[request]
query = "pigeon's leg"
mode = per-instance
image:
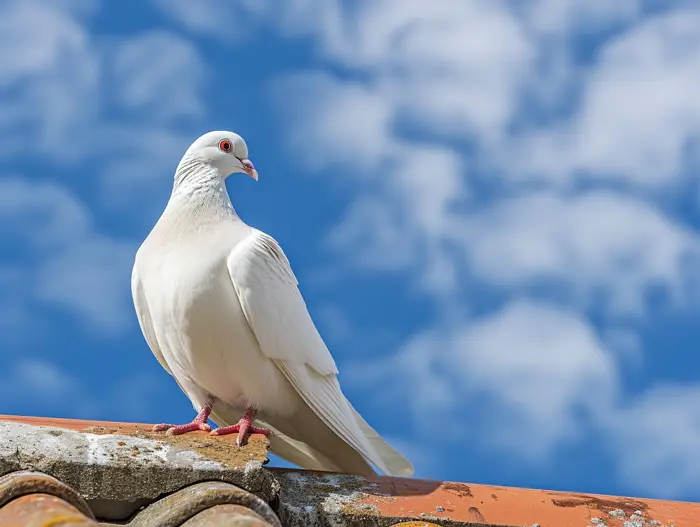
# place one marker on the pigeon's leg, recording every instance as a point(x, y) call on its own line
point(198, 423)
point(243, 428)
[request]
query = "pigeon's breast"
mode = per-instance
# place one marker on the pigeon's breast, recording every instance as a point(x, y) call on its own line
point(206, 339)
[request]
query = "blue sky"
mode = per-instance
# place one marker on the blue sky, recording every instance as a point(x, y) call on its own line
point(492, 208)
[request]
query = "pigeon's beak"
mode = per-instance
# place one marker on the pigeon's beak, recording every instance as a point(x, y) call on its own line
point(249, 169)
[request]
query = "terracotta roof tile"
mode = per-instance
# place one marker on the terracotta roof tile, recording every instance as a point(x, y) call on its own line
point(39, 510)
point(67, 472)
point(332, 495)
point(30, 499)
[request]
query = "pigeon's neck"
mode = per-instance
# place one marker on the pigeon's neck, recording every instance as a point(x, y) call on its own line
point(199, 187)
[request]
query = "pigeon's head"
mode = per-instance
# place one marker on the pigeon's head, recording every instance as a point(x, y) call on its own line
point(225, 151)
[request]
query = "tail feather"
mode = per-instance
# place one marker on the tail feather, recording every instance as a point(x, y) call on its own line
point(395, 462)
point(292, 437)
point(331, 453)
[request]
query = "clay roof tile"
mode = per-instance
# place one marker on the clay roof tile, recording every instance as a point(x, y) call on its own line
point(69, 472)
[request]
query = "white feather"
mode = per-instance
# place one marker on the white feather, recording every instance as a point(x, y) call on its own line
point(220, 308)
point(277, 313)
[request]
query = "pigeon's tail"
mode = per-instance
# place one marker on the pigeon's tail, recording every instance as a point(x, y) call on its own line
point(329, 452)
point(395, 464)
point(328, 409)
point(306, 441)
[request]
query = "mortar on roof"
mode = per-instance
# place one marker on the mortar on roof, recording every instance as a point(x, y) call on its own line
point(314, 500)
point(211, 448)
point(129, 465)
point(615, 507)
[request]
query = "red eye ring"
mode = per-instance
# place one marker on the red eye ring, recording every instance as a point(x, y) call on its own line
point(225, 145)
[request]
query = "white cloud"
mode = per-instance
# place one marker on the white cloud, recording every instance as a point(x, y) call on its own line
point(161, 74)
point(598, 242)
point(39, 46)
point(542, 365)
point(446, 78)
point(20, 328)
point(657, 438)
point(412, 208)
point(73, 265)
point(535, 376)
point(430, 62)
point(48, 77)
point(627, 345)
point(158, 77)
point(642, 103)
point(484, 139)
point(239, 18)
point(348, 124)
point(208, 17)
point(59, 88)
point(138, 173)
point(43, 387)
point(91, 279)
point(453, 66)
point(638, 114)
point(602, 249)
point(466, 69)
point(408, 227)
point(335, 122)
point(41, 213)
point(373, 235)
point(34, 386)
point(566, 18)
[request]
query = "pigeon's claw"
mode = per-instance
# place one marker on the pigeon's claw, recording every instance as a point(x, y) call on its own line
point(174, 430)
point(243, 428)
point(198, 423)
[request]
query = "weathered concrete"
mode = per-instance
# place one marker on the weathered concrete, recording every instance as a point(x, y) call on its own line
point(133, 465)
point(312, 499)
point(315, 499)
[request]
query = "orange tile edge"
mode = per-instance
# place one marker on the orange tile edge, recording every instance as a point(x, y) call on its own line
point(473, 503)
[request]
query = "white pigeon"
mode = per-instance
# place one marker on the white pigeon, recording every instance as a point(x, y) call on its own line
point(219, 306)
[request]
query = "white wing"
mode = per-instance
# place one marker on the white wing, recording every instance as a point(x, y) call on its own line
point(144, 318)
point(273, 305)
point(277, 314)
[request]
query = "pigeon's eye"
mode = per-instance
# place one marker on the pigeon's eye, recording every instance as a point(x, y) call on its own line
point(225, 145)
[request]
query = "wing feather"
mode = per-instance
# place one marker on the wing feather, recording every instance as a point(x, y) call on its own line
point(273, 305)
point(278, 316)
point(144, 317)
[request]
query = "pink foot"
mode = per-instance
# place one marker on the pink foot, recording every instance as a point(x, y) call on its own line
point(243, 428)
point(198, 423)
